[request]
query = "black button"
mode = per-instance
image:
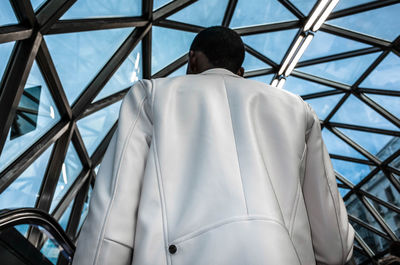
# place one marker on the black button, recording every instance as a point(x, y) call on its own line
point(172, 249)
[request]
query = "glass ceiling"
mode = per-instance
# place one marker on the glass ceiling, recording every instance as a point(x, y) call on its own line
point(92, 52)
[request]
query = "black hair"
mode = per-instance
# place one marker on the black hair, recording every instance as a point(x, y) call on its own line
point(222, 46)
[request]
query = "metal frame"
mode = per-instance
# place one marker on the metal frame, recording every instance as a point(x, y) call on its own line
point(30, 46)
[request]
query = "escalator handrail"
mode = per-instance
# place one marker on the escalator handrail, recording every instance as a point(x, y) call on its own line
point(34, 216)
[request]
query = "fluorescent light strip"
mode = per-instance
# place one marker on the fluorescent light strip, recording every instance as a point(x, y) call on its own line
point(281, 82)
point(315, 14)
point(290, 55)
point(302, 48)
point(274, 82)
point(325, 15)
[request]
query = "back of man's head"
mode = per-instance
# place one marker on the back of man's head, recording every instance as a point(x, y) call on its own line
point(222, 46)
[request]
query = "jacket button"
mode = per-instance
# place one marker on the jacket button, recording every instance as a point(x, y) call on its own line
point(172, 249)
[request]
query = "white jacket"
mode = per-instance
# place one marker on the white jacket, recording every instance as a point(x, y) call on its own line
point(215, 169)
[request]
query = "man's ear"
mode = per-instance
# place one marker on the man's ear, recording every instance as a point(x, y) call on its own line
point(240, 72)
point(192, 63)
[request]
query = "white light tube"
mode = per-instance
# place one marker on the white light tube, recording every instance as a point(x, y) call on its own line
point(302, 48)
point(326, 13)
point(316, 13)
point(281, 82)
point(290, 55)
point(274, 83)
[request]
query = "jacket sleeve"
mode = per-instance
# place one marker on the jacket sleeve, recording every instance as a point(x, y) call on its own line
point(332, 235)
point(108, 234)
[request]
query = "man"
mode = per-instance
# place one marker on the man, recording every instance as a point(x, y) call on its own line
point(213, 169)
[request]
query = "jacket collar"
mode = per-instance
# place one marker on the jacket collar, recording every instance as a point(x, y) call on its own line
point(218, 71)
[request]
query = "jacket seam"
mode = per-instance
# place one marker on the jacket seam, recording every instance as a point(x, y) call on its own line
point(237, 154)
point(116, 242)
point(102, 236)
point(160, 186)
point(228, 221)
point(294, 210)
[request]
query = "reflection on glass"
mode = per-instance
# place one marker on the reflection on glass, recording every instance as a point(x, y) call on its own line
point(325, 44)
point(343, 191)
point(337, 146)
point(354, 172)
point(375, 242)
point(385, 75)
point(382, 23)
point(159, 3)
point(167, 46)
point(70, 169)
point(36, 4)
point(353, 111)
point(180, 71)
point(323, 105)
point(94, 128)
point(339, 70)
point(7, 14)
point(263, 78)
point(85, 209)
point(273, 45)
point(303, 87)
point(23, 229)
point(127, 74)
point(204, 13)
point(65, 217)
point(379, 145)
point(24, 191)
point(104, 8)
point(382, 188)
point(255, 12)
point(304, 6)
point(252, 63)
point(5, 52)
point(79, 56)
point(47, 116)
point(51, 250)
point(357, 209)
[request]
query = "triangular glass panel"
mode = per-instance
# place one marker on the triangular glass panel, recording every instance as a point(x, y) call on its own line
point(23, 229)
point(323, 105)
point(36, 4)
point(204, 13)
point(391, 217)
point(85, 209)
point(354, 172)
point(338, 70)
point(36, 114)
point(325, 44)
point(357, 209)
point(303, 87)
point(252, 63)
point(379, 145)
point(263, 78)
point(354, 111)
point(343, 191)
point(24, 191)
point(337, 146)
point(273, 45)
point(180, 71)
point(7, 15)
point(382, 188)
point(103, 8)
point(373, 240)
point(5, 52)
point(255, 12)
point(78, 57)
point(70, 169)
point(346, 4)
point(94, 127)
point(304, 6)
point(385, 75)
point(160, 3)
point(127, 74)
point(382, 23)
point(396, 164)
point(65, 216)
point(167, 46)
